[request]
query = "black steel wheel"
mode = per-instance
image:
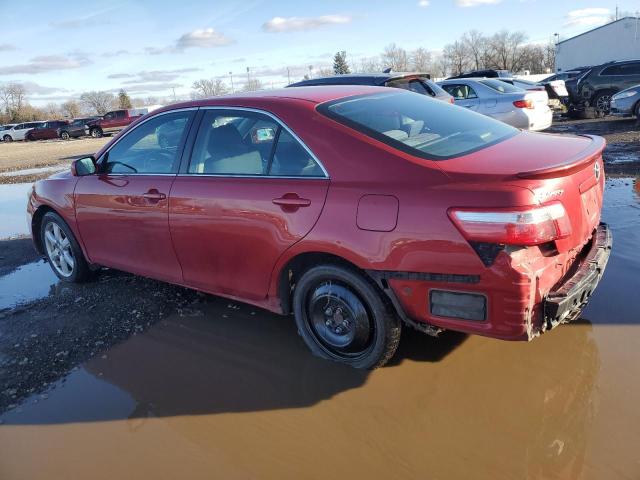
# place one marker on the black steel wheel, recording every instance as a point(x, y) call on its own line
point(342, 316)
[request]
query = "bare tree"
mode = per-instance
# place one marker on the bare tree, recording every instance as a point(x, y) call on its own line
point(396, 58)
point(476, 46)
point(70, 109)
point(506, 50)
point(457, 57)
point(421, 60)
point(205, 88)
point(98, 101)
point(325, 72)
point(252, 85)
point(369, 65)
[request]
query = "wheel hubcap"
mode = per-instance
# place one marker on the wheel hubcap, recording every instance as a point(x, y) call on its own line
point(58, 249)
point(339, 320)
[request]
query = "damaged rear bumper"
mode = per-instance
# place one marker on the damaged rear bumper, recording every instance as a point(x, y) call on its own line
point(566, 303)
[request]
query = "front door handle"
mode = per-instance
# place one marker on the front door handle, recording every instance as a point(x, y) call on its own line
point(292, 200)
point(154, 195)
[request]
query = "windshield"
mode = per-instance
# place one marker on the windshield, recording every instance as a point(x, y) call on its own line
point(418, 124)
point(500, 86)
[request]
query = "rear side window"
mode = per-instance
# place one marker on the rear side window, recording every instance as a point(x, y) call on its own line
point(239, 142)
point(418, 125)
point(414, 85)
point(500, 86)
point(460, 91)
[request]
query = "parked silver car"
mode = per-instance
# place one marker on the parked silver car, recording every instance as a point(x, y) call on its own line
point(626, 103)
point(528, 110)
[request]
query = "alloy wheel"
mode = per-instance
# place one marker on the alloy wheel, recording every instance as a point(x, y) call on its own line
point(59, 249)
point(603, 103)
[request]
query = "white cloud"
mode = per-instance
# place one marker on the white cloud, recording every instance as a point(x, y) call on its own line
point(297, 24)
point(587, 17)
point(205, 38)
point(475, 3)
point(47, 63)
point(201, 38)
point(5, 47)
point(424, 3)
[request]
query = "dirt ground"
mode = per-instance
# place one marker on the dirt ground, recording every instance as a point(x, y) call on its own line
point(126, 377)
point(27, 155)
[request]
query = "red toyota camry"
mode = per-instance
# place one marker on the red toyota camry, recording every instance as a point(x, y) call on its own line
point(356, 209)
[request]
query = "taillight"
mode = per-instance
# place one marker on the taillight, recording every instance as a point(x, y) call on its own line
point(531, 226)
point(452, 100)
point(526, 103)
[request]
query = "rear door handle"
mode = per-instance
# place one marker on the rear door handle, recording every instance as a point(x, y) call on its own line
point(292, 201)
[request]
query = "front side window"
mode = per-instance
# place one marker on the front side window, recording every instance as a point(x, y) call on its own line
point(152, 147)
point(418, 125)
point(234, 142)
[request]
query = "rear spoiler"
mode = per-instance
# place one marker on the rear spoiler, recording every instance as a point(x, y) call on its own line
point(571, 164)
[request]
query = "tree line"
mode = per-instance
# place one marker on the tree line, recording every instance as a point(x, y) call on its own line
point(472, 51)
point(14, 107)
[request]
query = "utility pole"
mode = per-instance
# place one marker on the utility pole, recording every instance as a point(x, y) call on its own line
point(231, 75)
point(557, 37)
point(174, 94)
point(248, 77)
point(310, 71)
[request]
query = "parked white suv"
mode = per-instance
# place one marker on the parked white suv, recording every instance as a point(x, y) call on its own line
point(3, 128)
point(18, 132)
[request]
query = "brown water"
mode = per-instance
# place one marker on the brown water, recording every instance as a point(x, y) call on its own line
point(233, 393)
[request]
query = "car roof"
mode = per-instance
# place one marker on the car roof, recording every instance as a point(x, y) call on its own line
point(311, 94)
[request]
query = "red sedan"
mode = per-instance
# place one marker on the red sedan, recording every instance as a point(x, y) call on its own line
point(356, 209)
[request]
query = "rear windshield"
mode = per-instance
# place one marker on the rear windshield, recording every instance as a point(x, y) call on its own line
point(417, 124)
point(500, 86)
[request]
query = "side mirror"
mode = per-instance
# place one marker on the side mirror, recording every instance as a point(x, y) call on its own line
point(83, 166)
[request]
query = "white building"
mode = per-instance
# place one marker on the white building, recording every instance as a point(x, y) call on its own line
point(618, 40)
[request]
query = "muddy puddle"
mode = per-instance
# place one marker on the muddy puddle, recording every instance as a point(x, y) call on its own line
point(227, 391)
point(26, 284)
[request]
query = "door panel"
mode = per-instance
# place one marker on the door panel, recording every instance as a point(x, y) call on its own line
point(122, 228)
point(229, 232)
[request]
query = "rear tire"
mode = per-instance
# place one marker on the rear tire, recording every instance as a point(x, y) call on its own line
point(95, 132)
point(64, 135)
point(62, 250)
point(342, 316)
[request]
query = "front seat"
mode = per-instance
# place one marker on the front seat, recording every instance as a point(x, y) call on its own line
point(229, 155)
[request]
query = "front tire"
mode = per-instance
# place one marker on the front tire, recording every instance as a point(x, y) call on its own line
point(343, 317)
point(64, 135)
point(95, 132)
point(7, 138)
point(62, 250)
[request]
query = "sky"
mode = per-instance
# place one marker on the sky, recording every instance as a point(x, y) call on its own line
point(156, 48)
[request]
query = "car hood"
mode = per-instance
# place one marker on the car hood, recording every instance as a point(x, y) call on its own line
point(526, 155)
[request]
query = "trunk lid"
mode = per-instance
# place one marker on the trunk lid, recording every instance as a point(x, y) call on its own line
point(554, 168)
